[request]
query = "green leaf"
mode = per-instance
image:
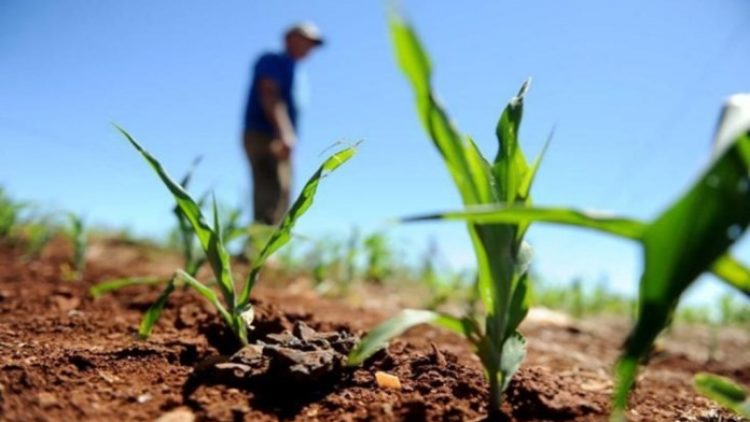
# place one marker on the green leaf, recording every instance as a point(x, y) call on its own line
point(514, 350)
point(78, 236)
point(524, 189)
point(189, 173)
point(154, 312)
point(186, 231)
point(283, 233)
point(486, 214)
point(415, 64)
point(519, 305)
point(208, 294)
point(510, 167)
point(684, 242)
point(377, 338)
point(216, 254)
point(108, 286)
point(724, 391)
point(733, 273)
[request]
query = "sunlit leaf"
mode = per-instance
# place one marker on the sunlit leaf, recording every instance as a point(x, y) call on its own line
point(215, 252)
point(725, 392)
point(733, 273)
point(684, 242)
point(112, 285)
point(378, 338)
point(499, 213)
point(283, 233)
point(154, 312)
point(514, 350)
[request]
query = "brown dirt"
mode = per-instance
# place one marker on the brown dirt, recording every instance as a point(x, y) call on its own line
point(65, 356)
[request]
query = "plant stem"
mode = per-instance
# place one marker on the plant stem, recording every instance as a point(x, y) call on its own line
point(493, 412)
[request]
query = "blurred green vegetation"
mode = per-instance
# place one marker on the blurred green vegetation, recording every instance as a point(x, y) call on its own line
point(337, 264)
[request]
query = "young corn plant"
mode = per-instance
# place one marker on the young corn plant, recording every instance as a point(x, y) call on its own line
point(77, 234)
point(186, 241)
point(234, 306)
point(10, 213)
point(502, 255)
point(725, 392)
point(379, 257)
point(692, 236)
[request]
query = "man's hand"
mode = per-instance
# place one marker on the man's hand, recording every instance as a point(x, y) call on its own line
point(282, 148)
point(278, 115)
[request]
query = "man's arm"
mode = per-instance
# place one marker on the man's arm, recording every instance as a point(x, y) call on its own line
point(277, 113)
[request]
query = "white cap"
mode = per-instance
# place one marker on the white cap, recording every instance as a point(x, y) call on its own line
point(308, 30)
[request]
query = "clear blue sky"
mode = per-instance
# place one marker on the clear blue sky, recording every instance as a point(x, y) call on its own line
point(634, 89)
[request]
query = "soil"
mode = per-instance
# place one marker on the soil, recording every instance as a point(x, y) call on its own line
point(65, 356)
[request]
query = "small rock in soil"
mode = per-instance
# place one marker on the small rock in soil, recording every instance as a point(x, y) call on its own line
point(437, 357)
point(46, 400)
point(143, 398)
point(181, 414)
point(386, 380)
point(299, 357)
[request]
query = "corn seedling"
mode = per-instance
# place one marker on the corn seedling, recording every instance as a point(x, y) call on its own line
point(691, 237)
point(725, 392)
point(378, 257)
point(186, 243)
point(10, 211)
point(578, 301)
point(37, 234)
point(502, 255)
point(234, 306)
point(77, 234)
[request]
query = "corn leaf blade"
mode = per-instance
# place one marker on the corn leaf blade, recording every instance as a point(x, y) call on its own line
point(216, 254)
point(207, 294)
point(733, 273)
point(112, 285)
point(725, 392)
point(282, 234)
point(682, 243)
point(415, 64)
point(514, 350)
point(408, 318)
point(154, 311)
point(490, 214)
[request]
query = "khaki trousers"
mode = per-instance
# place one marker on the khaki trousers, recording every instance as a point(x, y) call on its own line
point(272, 179)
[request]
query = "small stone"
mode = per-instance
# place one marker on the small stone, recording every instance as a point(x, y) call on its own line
point(181, 414)
point(248, 355)
point(143, 398)
point(386, 380)
point(232, 370)
point(66, 304)
point(303, 331)
point(106, 376)
point(46, 400)
point(437, 357)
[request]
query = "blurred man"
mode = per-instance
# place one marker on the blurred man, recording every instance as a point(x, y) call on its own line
point(271, 122)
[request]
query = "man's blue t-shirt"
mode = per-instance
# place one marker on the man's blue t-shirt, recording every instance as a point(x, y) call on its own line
point(280, 68)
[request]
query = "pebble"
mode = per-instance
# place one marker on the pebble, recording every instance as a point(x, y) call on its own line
point(143, 398)
point(386, 380)
point(181, 414)
point(46, 400)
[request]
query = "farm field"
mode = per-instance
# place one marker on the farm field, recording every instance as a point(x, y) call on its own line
point(67, 356)
point(205, 313)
